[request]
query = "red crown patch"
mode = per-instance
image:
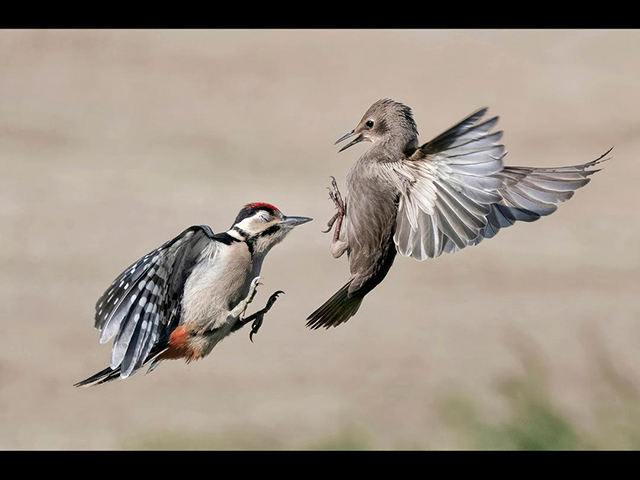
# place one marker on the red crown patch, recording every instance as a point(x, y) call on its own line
point(261, 205)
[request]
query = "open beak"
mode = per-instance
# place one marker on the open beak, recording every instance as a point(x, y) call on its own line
point(358, 139)
point(294, 221)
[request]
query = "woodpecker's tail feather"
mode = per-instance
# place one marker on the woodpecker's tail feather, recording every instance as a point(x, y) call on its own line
point(102, 376)
point(338, 309)
point(109, 374)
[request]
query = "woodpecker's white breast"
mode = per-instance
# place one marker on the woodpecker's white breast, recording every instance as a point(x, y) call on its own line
point(217, 283)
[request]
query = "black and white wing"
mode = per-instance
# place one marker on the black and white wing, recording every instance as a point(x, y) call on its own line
point(455, 191)
point(142, 306)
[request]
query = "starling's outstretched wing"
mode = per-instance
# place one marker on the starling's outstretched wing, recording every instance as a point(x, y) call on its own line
point(142, 306)
point(454, 190)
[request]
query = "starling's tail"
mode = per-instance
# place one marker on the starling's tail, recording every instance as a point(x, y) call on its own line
point(338, 309)
point(109, 374)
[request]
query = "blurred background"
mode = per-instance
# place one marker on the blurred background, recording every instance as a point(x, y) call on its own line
point(112, 142)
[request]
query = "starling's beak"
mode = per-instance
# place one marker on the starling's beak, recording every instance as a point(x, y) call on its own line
point(358, 139)
point(294, 221)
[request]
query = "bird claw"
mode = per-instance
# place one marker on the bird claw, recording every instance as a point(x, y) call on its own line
point(253, 290)
point(257, 323)
point(273, 298)
point(331, 222)
point(334, 194)
point(336, 197)
point(255, 326)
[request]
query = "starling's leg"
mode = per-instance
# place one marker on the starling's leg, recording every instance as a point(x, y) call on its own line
point(331, 222)
point(338, 247)
point(239, 309)
point(334, 194)
point(258, 317)
point(338, 243)
point(338, 230)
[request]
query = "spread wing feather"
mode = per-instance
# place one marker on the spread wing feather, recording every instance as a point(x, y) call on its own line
point(455, 191)
point(142, 306)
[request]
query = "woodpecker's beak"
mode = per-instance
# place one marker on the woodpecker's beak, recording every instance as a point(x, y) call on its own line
point(358, 139)
point(294, 221)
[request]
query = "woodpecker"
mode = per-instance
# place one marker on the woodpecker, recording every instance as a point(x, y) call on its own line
point(420, 201)
point(181, 299)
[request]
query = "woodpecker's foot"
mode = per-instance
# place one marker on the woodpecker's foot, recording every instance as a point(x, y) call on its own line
point(253, 289)
point(336, 197)
point(259, 316)
point(239, 309)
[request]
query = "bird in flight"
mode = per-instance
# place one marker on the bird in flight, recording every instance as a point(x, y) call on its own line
point(181, 299)
point(421, 200)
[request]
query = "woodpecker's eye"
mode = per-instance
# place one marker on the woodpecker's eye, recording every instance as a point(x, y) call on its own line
point(369, 123)
point(264, 217)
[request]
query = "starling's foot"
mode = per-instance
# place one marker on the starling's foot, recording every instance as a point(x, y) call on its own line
point(334, 194)
point(331, 222)
point(336, 197)
point(259, 316)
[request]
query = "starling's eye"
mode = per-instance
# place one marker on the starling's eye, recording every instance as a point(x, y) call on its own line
point(369, 123)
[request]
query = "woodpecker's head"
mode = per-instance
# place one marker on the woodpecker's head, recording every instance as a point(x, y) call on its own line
point(262, 226)
point(384, 120)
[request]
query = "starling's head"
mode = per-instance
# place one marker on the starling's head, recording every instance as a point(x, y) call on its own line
point(263, 225)
point(384, 120)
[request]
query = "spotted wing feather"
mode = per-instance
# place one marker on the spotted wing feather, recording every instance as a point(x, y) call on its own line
point(142, 306)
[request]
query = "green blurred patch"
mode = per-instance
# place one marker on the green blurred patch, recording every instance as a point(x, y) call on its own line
point(535, 422)
point(233, 440)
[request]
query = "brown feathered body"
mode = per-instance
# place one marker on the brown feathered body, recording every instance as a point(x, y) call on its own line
point(421, 201)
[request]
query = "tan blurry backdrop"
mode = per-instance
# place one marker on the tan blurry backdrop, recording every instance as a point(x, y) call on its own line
point(112, 142)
